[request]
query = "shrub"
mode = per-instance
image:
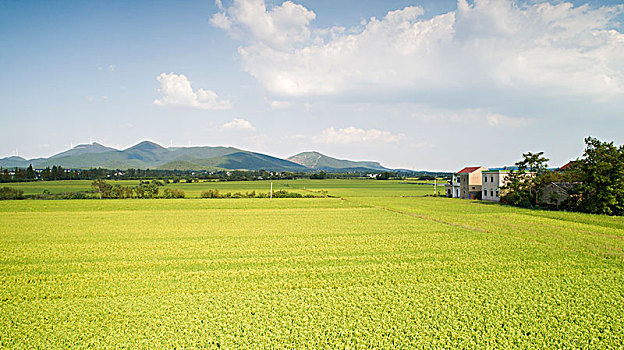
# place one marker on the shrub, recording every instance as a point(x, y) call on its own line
point(10, 193)
point(211, 194)
point(173, 193)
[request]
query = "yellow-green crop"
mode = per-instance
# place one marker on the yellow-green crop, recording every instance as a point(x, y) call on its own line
point(372, 270)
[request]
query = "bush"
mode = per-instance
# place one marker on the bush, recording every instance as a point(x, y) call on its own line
point(173, 193)
point(211, 194)
point(10, 193)
point(253, 194)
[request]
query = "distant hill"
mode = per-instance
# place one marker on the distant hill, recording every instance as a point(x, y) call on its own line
point(318, 161)
point(14, 162)
point(148, 154)
point(92, 148)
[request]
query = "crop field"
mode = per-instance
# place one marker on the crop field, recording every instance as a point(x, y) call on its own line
point(379, 267)
point(356, 187)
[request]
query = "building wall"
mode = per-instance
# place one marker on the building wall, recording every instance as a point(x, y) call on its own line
point(455, 192)
point(491, 185)
point(552, 194)
point(470, 184)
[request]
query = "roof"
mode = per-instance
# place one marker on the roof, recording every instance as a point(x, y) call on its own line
point(469, 169)
point(567, 186)
point(567, 165)
point(495, 171)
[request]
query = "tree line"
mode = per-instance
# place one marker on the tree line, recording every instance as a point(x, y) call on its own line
point(596, 180)
point(59, 173)
point(146, 189)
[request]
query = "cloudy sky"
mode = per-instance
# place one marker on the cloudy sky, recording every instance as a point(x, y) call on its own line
point(416, 84)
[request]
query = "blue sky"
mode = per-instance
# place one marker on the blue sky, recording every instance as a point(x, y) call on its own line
point(417, 84)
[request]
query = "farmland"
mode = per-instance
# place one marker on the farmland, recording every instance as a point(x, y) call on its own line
point(358, 187)
point(381, 266)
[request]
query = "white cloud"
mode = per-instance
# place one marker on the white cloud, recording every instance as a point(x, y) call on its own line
point(275, 105)
point(495, 47)
point(352, 134)
point(176, 90)
point(239, 124)
point(219, 5)
point(279, 27)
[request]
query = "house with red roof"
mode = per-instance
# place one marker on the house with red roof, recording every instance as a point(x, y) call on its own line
point(466, 183)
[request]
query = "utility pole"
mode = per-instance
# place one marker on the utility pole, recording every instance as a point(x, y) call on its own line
point(271, 195)
point(435, 185)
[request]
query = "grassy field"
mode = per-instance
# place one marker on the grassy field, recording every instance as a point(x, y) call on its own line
point(379, 267)
point(356, 187)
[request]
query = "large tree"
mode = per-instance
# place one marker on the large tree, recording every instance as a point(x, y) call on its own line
point(523, 184)
point(602, 176)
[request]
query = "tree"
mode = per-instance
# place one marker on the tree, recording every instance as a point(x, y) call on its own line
point(523, 185)
point(602, 176)
point(102, 188)
point(384, 176)
point(10, 193)
point(320, 176)
point(30, 173)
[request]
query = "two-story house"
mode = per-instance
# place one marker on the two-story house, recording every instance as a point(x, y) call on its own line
point(492, 182)
point(466, 183)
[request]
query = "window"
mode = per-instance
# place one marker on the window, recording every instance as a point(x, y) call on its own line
point(485, 179)
point(491, 178)
point(492, 193)
point(496, 193)
point(484, 193)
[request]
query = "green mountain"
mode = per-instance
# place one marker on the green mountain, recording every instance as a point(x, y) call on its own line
point(14, 162)
point(148, 154)
point(318, 161)
point(92, 148)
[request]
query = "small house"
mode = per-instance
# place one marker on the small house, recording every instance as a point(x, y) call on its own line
point(558, 193)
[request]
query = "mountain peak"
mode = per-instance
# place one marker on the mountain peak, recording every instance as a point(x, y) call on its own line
point(18, 158)
point(86, 148)
point(319, 161)
point(93, 145)
point(146, 146)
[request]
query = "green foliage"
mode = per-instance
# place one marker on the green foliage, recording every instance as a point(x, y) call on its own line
point(320, 176)
point(173, 193)
point(30, 173)
point(383, 176)
point(213, 193)
point(102, 188)
point(64, 195)
point(121, 192)
point(598, 179)
point(10, 193)
point(523, 185)
point(602, 176)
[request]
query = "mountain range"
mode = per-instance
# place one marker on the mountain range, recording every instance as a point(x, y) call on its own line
point(151, 155)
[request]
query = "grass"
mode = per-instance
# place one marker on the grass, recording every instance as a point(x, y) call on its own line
point(378, 268)
point(355, 187)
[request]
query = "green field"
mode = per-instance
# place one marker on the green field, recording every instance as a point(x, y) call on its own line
point(357, 187)
point(380, 267)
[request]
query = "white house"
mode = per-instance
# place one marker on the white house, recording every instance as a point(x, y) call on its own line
point(491, 183)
